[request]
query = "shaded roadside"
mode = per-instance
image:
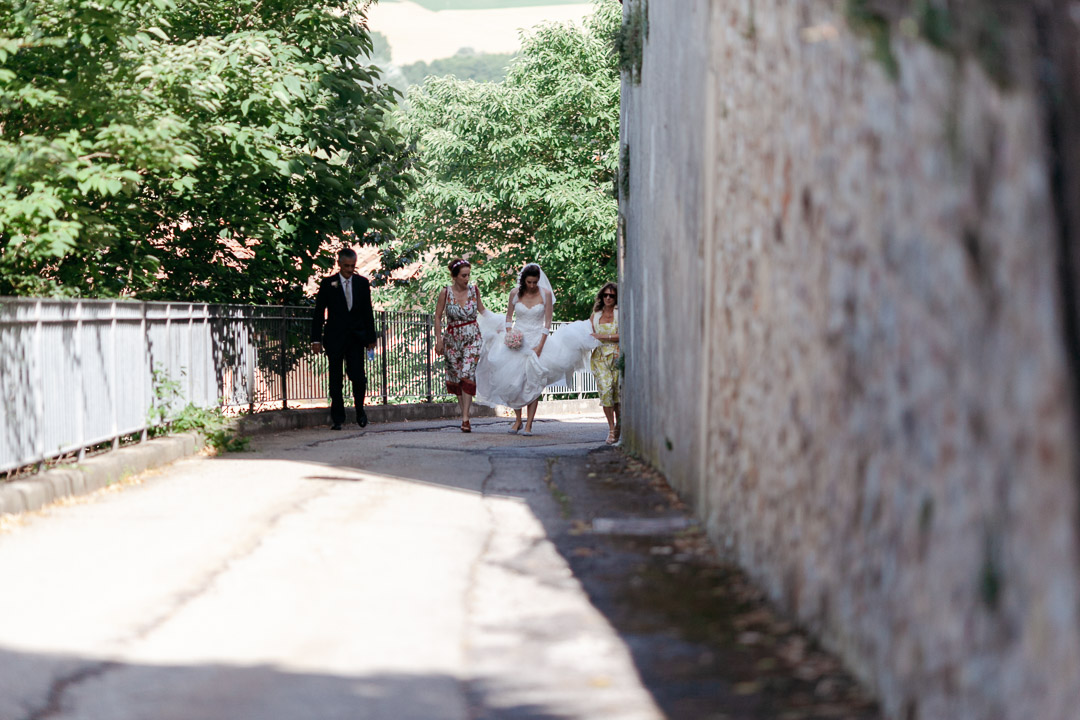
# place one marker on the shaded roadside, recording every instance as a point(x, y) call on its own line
point(401, 556)
point(705, 641)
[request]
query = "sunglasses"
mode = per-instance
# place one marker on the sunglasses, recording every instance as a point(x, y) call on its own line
point(610, 295)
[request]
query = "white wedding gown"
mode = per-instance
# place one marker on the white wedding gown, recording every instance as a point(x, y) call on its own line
point(515, 378)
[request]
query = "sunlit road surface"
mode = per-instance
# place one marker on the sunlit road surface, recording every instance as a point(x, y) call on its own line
point(402, 573)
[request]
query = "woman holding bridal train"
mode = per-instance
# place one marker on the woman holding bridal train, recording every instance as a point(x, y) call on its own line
point(521, 359)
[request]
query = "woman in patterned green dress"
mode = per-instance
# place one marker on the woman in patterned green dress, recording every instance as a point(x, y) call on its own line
point(461, 341)
point(605, 322)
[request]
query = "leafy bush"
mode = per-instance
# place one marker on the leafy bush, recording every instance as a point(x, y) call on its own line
point(211, 423)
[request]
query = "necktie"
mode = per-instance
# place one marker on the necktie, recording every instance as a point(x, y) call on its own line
point(347, 286)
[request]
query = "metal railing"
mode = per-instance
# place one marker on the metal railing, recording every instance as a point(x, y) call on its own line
point(75, 374)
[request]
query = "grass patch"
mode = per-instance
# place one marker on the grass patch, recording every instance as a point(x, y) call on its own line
point(866, 20)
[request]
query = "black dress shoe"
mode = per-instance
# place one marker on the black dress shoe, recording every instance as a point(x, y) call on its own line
point(337, 426)
point(361, 418)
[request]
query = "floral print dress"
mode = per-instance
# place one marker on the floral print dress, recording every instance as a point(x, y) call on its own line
point(604, 361)
point(462, 343)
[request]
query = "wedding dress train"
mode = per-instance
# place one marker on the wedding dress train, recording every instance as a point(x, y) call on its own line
point(516, 377)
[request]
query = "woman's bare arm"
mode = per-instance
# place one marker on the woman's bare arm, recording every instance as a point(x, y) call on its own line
point(510, 307)
point(549, 310)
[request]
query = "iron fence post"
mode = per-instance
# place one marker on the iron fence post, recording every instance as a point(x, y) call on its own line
point(249, 359)
point(383, 354)
point(284, 337)
point(191, 355)
point(427, 356)
point(114, 419)
point(168, 348)
point(39, 395)
point(148, 378)
point(80, 395)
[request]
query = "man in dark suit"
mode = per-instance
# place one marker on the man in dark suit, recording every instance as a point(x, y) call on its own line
point(344, 305)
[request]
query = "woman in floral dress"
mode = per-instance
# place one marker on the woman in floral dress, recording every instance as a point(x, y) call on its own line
point(461, 341)
point(605, 322)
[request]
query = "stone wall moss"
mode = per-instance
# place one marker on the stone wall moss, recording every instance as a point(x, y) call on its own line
point(630, 40)
point(867, 20)
point(624, 171)
point(992, 32)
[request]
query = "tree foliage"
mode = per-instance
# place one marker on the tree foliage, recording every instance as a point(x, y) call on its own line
point(521, 170)
point(194, 149)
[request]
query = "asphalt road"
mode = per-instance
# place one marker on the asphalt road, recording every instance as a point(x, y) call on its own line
point(400, 573)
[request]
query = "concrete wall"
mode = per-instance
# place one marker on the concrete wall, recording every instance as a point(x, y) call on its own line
point(663, 304)
point(849, 340)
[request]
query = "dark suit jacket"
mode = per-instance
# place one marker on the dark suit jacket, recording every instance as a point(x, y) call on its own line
point(343, 326)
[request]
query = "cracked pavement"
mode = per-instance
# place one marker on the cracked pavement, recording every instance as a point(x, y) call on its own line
point(405, 572)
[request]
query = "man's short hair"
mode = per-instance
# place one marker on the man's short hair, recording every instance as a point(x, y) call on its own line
point(346, 254)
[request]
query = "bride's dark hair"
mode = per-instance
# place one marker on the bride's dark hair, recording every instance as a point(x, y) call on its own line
point(530, 270)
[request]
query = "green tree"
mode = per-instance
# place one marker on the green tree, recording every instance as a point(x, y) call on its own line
point(520, 170)
point(194, 149)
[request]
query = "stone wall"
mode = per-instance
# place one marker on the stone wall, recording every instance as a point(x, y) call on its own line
point(850, 340)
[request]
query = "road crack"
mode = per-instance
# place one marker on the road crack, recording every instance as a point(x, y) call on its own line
point(396, 430)
point(54, 701)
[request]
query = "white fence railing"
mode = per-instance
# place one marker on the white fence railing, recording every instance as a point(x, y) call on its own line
point(75, 374)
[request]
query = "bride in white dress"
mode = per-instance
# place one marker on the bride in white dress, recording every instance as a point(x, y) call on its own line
point(516, 377)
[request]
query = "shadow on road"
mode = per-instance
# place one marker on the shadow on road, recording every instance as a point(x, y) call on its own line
point(103, 690)
point(705, 642)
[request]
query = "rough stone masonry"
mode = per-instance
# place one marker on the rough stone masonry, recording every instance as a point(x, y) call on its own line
point(849, 295)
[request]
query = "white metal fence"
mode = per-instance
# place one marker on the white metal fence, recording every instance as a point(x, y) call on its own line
point(75, 374)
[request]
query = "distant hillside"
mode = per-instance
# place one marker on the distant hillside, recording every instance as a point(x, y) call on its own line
point(437, 5)
point(465, 65)
point(418, 31)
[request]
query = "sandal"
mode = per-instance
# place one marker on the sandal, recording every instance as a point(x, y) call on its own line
point(466, 427)
point(611, 439)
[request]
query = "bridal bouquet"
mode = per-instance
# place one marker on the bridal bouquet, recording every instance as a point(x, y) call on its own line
point(513, 339)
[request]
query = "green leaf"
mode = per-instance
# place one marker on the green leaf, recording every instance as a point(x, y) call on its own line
point(293, 85)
